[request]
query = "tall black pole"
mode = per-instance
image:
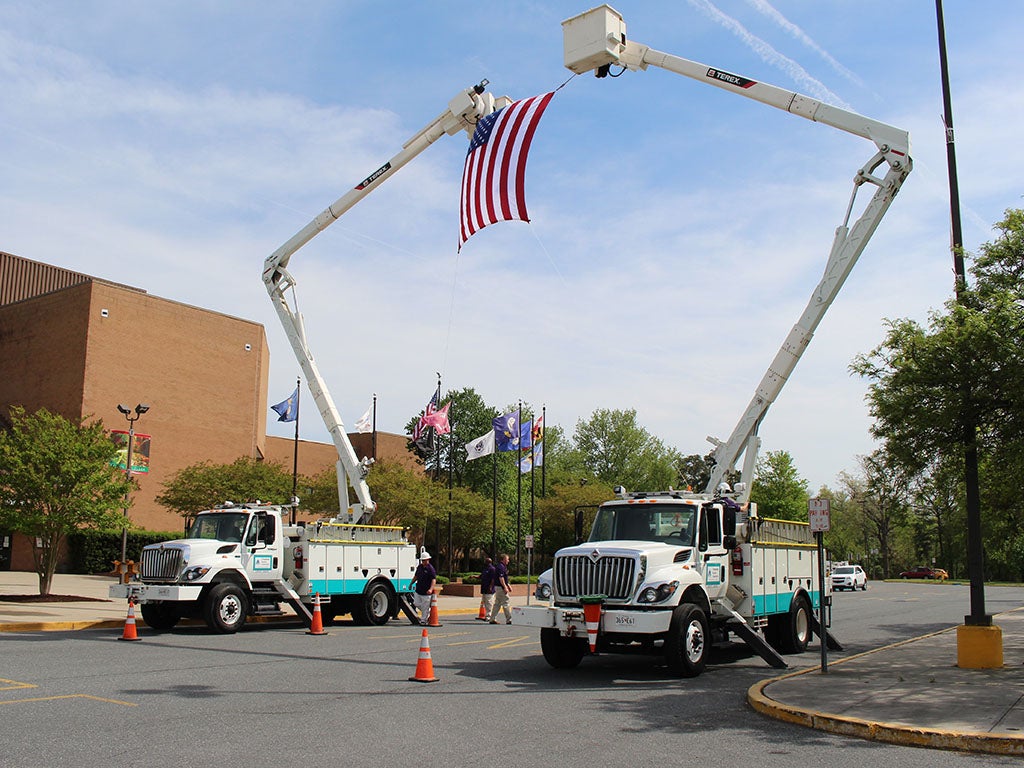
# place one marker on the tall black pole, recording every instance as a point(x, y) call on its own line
point(544, 449)
point(519, 482)
point(295, 454)
point(373, 430)
point(975, 557)
point(451, 475)
point(494, 503)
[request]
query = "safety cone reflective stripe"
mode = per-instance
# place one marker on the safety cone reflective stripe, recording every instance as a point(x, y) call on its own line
point(424, 665)
point(316, 626)
point(130, 632)
point(482, 613)
point(592, 615)
point(434, 620)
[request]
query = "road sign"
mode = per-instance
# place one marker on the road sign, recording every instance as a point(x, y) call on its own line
point(529, 541)
point(819, 514)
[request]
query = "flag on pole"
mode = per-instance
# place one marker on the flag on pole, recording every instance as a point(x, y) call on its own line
point(526, 435)
point(422, 425)
point(506, 432)
point(438, 419)
point(538, 455)
point(288, 409)
point(493, 178)
point(482, 446)
point(365, 422)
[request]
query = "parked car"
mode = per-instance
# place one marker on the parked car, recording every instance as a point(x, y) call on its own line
point(924, 572)
point(849, 577)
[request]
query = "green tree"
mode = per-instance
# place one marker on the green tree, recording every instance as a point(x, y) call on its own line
point(778, 489)
point(205, 485)
point(881, 492)
point(57, 477)
point(618, 451)
point(965, 367)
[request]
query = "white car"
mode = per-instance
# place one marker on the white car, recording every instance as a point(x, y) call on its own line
point(849, 577)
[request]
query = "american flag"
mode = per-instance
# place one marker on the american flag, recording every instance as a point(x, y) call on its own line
point(423, 424)
point(493, 179)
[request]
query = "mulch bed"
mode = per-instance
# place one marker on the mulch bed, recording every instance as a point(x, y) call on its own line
point(50, 599)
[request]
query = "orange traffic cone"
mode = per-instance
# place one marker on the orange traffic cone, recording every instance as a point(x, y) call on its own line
point(482, 613)
point(424, 665)
point(433, 621)
point(316, 626)
point(130, 633)
point(592, 615)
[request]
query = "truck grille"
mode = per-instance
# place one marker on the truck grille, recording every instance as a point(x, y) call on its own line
point(161, 564)
point(576, 576)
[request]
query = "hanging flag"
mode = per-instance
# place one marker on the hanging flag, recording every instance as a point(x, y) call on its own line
point(482, 446)
point(493, 178)
point(533, 448)
point(288, 410)
point(526, 435)
point(506, 432)
point(422, 425)
point(538, 454)
point(538, 430)
point(365, 422)
point(439, 419)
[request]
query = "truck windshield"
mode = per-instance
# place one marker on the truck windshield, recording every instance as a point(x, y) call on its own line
point(673, 524)
point(222, 526)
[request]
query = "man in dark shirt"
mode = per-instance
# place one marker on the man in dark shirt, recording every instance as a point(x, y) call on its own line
point(424, 581)
point(487, 578)
point(502, 589)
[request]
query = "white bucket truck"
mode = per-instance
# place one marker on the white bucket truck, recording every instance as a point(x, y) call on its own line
point(669, 573)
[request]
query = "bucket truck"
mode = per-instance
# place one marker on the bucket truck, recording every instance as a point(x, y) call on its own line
point(669, 573)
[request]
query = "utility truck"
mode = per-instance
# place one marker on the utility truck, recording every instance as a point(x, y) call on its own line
point(248, 560)
point(242, 561)
point(669, 573)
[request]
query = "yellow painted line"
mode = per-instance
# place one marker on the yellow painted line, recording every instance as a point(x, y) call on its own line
point(70, 696)
point(515, 641)
point(15, 685)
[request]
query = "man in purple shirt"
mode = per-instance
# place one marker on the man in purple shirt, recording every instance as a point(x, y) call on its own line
point(502, 589)
point(423, 583)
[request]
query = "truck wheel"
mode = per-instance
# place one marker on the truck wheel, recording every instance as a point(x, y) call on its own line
point(559, 651)
point(686, 649)
point(795, 626)
point(376, 606)
point(160, 616)
point(225, 608)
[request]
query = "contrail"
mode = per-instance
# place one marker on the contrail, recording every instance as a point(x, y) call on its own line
point(765, 8)
point(771, 56)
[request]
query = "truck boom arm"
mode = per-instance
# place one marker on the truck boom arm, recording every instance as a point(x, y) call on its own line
point(462, 114)
point(596, 40)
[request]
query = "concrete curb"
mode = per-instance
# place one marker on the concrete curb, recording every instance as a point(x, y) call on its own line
point(889, 733)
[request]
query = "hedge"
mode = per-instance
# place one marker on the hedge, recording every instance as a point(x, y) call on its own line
point(96, 551)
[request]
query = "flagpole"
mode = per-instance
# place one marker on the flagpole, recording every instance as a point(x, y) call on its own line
point(451, 466)
point(494, 503)
point(373, 428)
point(519, 482)
point(295, 453)
point(544, 464)
point(433, 448)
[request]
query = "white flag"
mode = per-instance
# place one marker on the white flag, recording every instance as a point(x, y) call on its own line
point(482, 446)
point(365, 422)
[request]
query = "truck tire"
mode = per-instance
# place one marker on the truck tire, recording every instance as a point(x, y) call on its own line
point(225, 608)
point(559, 651)
point(376, 607)
point(795, 626)
point(688, 643)
point(160, 616)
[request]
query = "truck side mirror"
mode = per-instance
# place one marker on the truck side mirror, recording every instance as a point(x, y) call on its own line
point(729, 542)
point(729, 522)
point(702, 532)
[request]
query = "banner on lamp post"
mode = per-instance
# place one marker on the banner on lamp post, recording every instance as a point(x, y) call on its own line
point(140, 450)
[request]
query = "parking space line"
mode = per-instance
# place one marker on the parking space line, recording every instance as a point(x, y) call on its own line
point(14, 685)
point(69, 696)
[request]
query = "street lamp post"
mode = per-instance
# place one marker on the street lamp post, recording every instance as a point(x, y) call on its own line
point(139, 410)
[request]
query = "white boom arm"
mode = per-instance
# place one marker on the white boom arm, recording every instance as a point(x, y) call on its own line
point(462, 114)
point(596, 39)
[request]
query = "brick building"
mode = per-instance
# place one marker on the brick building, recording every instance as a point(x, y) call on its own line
point(80, 345)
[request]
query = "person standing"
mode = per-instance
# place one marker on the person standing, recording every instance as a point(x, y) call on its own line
point(502, 589)
point(487, 578)
point(423, 582)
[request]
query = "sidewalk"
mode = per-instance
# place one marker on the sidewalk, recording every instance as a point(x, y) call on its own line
point(910, 693)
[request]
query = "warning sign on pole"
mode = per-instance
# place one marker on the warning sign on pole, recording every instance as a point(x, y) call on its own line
point(819, 514)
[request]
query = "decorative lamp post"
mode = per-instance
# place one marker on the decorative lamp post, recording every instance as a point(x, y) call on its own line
point(139, 410)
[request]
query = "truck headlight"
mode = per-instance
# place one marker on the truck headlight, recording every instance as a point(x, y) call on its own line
point(543, 591)
point(195, 572)
point(657, 594)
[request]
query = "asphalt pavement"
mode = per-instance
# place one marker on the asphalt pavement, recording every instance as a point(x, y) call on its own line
point(910, 693)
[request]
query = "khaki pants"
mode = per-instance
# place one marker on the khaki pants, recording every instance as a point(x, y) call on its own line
point(501, 604)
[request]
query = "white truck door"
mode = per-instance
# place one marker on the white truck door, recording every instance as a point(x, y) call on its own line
point(713, 556)
point(261, 547)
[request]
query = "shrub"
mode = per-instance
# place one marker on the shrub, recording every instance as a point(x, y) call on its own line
point(95, 551)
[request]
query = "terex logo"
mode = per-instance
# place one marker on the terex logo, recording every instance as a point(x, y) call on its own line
point(728, 77)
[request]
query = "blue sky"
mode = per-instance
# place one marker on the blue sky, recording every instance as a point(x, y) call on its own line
point(677, 230)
